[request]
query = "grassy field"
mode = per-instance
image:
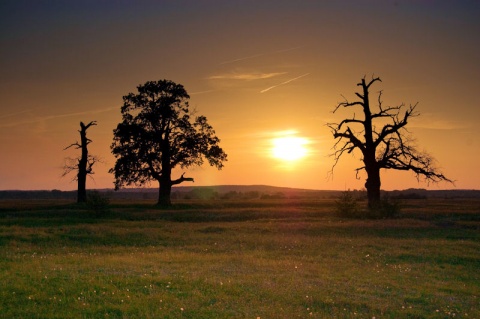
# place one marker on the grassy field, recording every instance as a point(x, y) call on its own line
point(250, 259)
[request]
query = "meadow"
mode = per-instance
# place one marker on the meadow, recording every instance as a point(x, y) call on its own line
point(276, 258)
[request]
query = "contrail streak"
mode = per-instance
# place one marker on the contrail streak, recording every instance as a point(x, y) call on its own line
point(14, 114)
point(245, 76)
point(202, 92)
point(260, 54)
point(288, 81)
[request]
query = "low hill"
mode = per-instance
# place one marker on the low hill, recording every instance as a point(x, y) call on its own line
point(236, 192)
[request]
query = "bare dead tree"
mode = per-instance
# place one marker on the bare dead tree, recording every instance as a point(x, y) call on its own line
point(390, 147)
point(83, 165)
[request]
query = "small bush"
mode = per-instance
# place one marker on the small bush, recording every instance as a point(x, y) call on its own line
point(347, 206)
point(98, 203)
point(385, 208)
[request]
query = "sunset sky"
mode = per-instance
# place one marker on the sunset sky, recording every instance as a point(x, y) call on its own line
point(258, 70)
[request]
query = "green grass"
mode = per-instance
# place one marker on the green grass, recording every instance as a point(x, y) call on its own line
point(250, 259)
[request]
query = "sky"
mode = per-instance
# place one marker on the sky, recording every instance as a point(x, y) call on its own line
point(258, 70)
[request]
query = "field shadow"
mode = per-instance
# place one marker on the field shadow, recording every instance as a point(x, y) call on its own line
point(45, 214)
point(300, 217)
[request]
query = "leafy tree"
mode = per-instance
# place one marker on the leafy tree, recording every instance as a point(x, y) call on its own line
point(158, 134)
point(387, 146)
point(83, 164)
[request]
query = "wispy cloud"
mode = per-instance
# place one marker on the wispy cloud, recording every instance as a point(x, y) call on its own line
point(52, 117)
point(283, 83)
point(259, 55)
point(245, 76)
point(429, 121)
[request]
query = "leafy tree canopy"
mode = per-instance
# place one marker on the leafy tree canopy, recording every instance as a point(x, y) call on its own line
point(158, 133)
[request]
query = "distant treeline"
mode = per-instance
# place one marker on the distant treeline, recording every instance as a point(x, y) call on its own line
point(42, 194)
point(237, 192)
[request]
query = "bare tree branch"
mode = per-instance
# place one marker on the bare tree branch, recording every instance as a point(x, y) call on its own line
point(182, 179)
point(76, 145)
point(387, 148)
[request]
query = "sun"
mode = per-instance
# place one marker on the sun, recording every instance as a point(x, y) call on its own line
point(289, 148)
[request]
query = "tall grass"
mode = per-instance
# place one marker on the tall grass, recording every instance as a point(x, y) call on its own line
point(259, 259)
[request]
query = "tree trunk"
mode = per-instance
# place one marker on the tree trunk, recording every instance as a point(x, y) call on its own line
point(82, 185)
point(165, 179)
point(165, 187)
point(371, 166)
point(164, 192)
point(373, 187)
point(82, 166)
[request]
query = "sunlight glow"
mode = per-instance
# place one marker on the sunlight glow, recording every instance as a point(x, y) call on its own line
point(289, 147)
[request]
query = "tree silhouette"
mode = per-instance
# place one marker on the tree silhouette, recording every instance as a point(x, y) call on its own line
point(83, 164)
point(390, 147)
point(158, 134)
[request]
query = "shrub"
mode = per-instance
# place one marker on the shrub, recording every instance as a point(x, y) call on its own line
point(385, 208)
point(347, 205)
point(98, 203)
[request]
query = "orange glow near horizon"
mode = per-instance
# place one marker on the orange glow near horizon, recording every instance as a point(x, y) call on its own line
point(268, 87)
